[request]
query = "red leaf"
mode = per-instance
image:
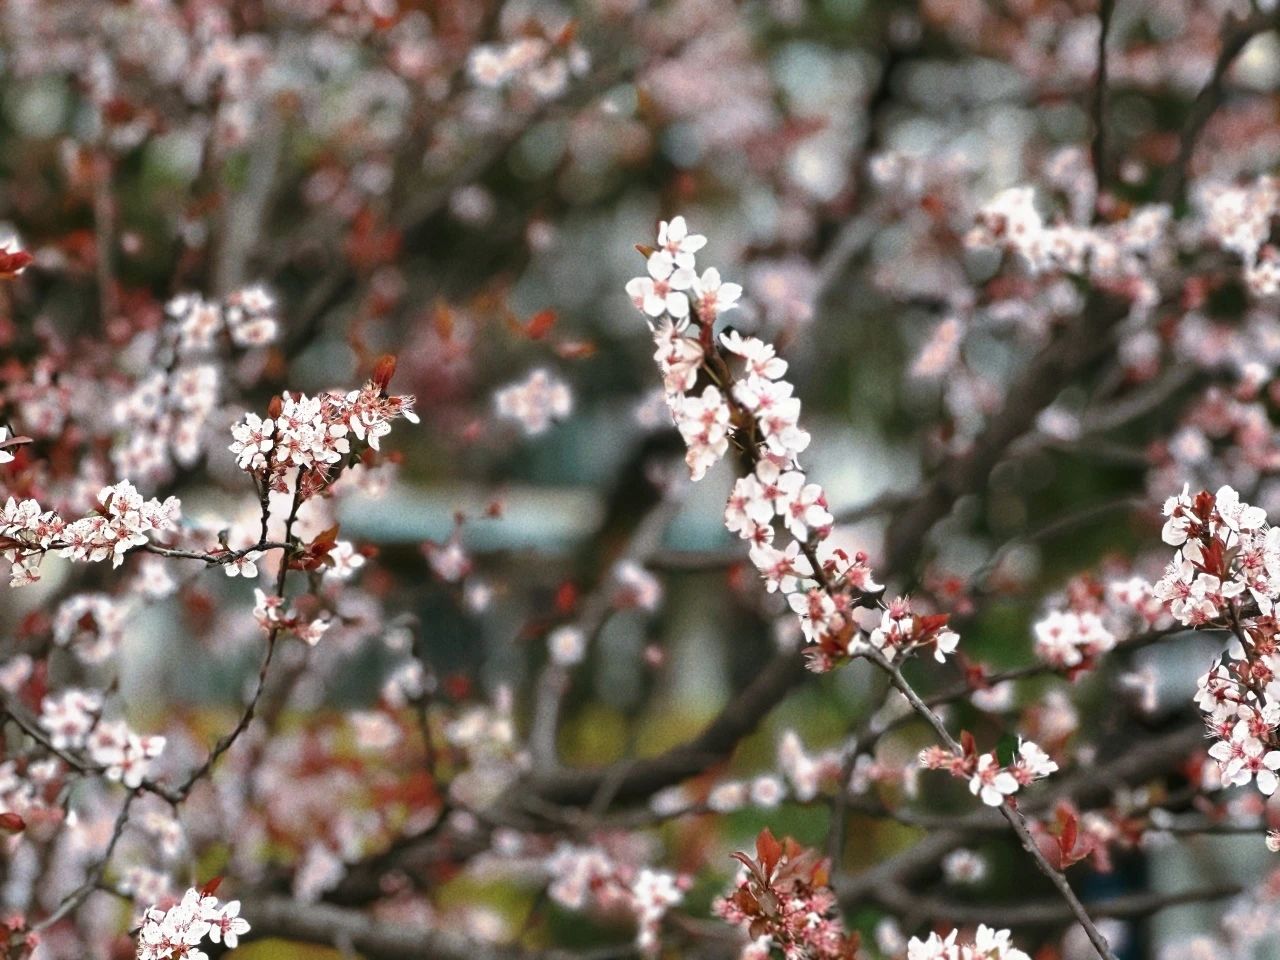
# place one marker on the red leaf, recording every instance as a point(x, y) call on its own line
point(768, 850)
point(13, 263)
point(457, 686)
point(566, 597)
point(1067, 839)
point(12, 823)
point(540, 324)
point(210, 888)
point(932, 621)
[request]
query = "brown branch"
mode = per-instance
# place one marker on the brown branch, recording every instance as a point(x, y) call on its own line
point(1098, 152)
point(553, 683)
point(644, 777)
point(227, 741)
point(104, 220)
point(1043, 913)
point(1146, 759)
point(77, 896)
point(1236, 34)
point(378, 939)
point(1057, 364)
point(1012, 815)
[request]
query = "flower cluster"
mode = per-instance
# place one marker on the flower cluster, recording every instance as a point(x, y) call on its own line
point(73, 720)
point(589, 876)
point(1227, 555)
point(782, 900)
point(486, 735)
point(125, 756)
point(806, 772)
point(1093, 615)
point(91, 624)
point(538, 401)
point(70, 716)
point(123, 521)
point(246, 320)
point(988, 778)
point(743, 396)
point(801, 774)
point(987, 944)
point(164, 416)
point(540, 65)
point(1239, 218)
point(270, 612)
point(182, 928)
point(1225, 550)
point(1117, 250)
point(672, 278)
point(315, 434)
point(1248, 927)
point(902, 631)
point(1067, 639)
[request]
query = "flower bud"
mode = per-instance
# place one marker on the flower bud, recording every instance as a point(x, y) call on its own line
point(384, 370)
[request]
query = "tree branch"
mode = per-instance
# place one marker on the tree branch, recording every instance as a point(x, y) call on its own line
point(377, 939)
point(1236, 34)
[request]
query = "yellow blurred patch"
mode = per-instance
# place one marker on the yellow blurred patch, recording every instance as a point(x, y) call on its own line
point(283, 950)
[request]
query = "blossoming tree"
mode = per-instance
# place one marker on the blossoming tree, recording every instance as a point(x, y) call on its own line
point(374, 591)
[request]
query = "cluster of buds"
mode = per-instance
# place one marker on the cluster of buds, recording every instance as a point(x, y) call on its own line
point(783, 901)
point(988, 777)
point(123, 521)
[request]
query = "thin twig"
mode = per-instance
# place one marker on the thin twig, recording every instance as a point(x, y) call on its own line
point(1010, 813)
point(227, 741)
point(1236, 34)
point(77, 896)
point(1099, 150)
